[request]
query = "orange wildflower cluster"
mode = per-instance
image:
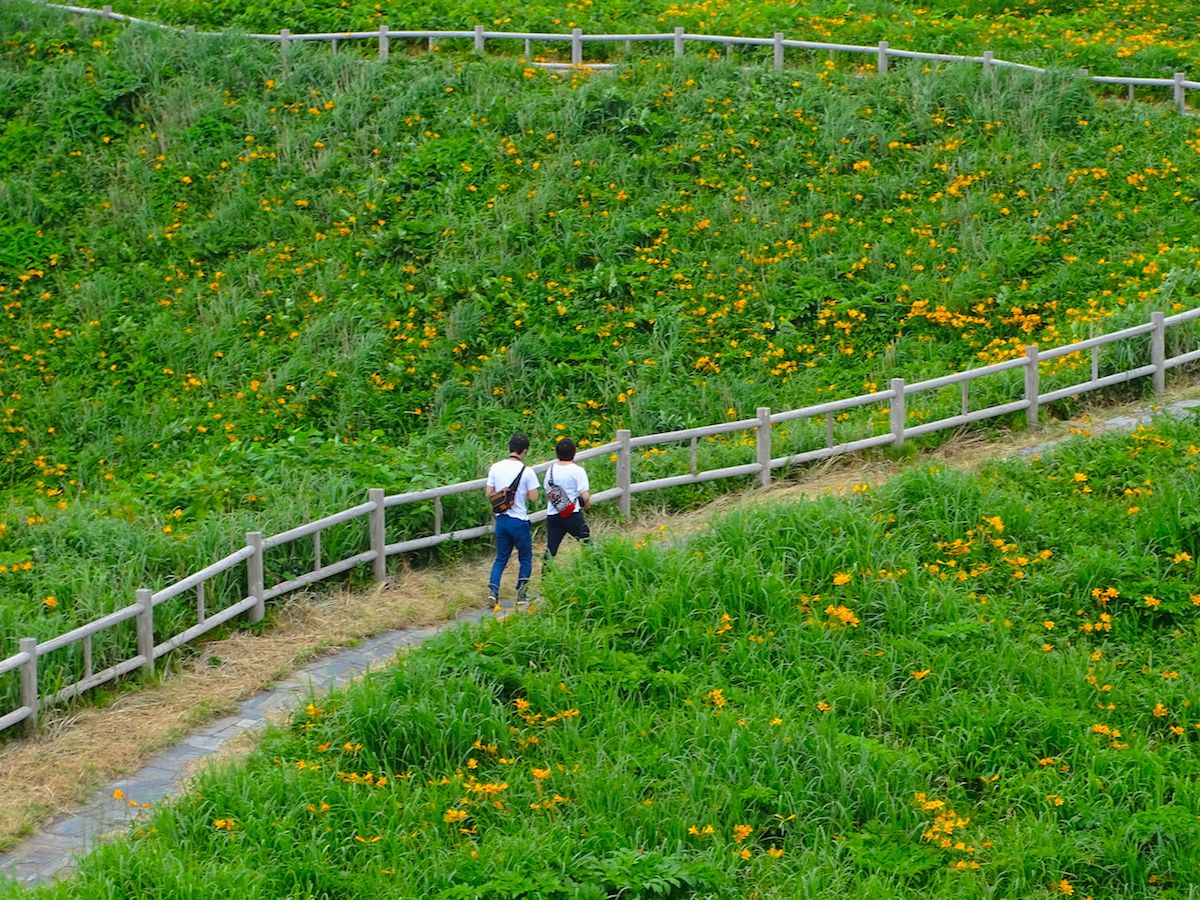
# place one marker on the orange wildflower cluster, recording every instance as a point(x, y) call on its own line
point(946, 831)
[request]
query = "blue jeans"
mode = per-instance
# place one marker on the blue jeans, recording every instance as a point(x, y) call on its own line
point(511, 533)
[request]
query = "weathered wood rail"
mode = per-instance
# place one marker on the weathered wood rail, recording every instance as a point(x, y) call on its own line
point(678, 38)
point(895, 397)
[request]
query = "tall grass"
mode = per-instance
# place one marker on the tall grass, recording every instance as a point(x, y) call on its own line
point(236, 294)
point(906, 693)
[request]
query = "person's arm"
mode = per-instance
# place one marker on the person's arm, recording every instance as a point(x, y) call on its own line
point(585, 495)
point(533, 491)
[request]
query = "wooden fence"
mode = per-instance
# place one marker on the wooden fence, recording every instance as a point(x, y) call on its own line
point(375, 508)
point(883, 51)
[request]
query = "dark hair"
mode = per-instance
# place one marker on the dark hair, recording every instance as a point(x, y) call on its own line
point(518, 443)
point(565, 449)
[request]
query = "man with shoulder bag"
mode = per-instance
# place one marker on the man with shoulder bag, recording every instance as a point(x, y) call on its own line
point(568, 495)
point(511, 487)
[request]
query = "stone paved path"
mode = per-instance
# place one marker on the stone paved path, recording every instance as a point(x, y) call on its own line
point(52, 852)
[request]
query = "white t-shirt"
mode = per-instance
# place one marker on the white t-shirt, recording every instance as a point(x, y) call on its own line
point(570, 477)
point(501, 475)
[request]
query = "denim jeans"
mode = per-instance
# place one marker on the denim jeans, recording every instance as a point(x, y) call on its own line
point(510, 533)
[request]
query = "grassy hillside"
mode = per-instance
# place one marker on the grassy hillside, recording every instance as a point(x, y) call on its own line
point(983, 686)
point(1141, 38)
point(236, 293)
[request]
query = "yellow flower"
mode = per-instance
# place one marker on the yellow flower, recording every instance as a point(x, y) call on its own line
point(50, 601)
point(451, 816)
point(920, 674)
point(841, 578)
point(741, 832)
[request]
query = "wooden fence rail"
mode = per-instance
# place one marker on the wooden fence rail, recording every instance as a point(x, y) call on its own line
point(894, 398)
point(678, 38)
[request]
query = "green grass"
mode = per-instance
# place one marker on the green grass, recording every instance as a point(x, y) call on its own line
point(235, 295)
point(1142, 38)
point(904, 693)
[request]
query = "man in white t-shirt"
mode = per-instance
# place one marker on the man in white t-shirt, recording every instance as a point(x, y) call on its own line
point(512, 525)
point(569, 494)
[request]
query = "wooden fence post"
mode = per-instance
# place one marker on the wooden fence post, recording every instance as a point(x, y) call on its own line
point(624, 472)
point(1180, 94)
point(378, 526)
point(1158, 351)
point(778, 60)
point(763, 445)
point(679, 42)
point(29, 681)
point(285, 38)
point(883, 57)
point(254, 577)
point(988, 63)
point(145, 629)
point(106, 12)
point(384, 43)
point(576, 46)
point(479, 39)
point(896, 412)
point(1031, 385)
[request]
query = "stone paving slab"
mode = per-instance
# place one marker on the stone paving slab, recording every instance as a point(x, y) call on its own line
point(52, 852)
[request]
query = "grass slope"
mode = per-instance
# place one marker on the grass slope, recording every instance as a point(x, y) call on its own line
point(235, 294)
point(1144, 37)
point(981, 686)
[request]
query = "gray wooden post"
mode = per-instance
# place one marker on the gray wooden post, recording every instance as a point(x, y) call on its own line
point(378, 527)
point(883, 57)
point(778, 48)
point(285, 37)
point(384, 43)
point(624, 472)
point(1130, 95)
point(576, 46)
point(1031, 385)
point(896, 412)
point(528, 50)
point(1158, 351)
point(679, 42)
point(29, 681)
point(145, 630)
point(1180, 94)
point(988, 62)
point(479, 39)
point(763, 445)
point(254, 577)
point(106, 12)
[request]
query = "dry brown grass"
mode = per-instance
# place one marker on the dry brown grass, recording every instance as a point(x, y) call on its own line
point(80, 749)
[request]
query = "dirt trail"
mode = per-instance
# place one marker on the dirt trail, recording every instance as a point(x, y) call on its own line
point(78, 749)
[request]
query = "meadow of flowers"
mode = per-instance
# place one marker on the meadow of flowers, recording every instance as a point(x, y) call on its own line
point(1143, 37)
point(981, 686)
point(235, 291)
